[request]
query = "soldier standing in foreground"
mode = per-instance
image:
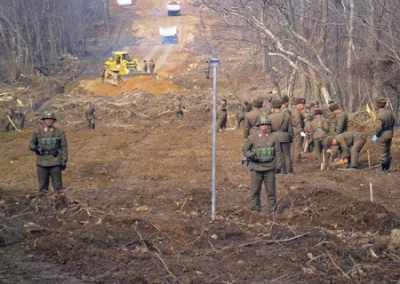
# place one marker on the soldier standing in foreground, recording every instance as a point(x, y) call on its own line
point(50, 145)
point(383, 133)
point(281, 124)
point(298, 129)
point(262, 150)
point(90, 113)
point(250, 118)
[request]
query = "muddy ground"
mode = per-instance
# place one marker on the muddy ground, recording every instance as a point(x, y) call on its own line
point(137, 203)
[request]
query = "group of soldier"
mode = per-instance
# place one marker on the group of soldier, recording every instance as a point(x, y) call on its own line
point(151, 66)
point(276, 136)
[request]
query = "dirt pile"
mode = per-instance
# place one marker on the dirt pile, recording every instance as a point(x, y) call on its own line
point(147, 84)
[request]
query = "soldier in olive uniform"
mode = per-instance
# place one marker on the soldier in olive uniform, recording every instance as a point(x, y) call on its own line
point(383, 133)
point(244, 108)
point(298, 129)
point(90, 113)
point(250, 118)
point(285, 105)
point(152, 66)
point(178, 108)
point(222, 115)
point(350, 144)
point(281, 124)
point(262, 149)
point(207, 69)
point(341, 120)
point(145, 66)
point(17, 117)
point(50, 145)
point(318, 129)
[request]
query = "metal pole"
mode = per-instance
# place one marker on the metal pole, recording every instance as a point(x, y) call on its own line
point(214, 63)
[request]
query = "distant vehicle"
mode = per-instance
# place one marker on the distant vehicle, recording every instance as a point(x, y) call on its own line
point(120, 65)
point(124, 2)
point(169, 35)
point(174, 8)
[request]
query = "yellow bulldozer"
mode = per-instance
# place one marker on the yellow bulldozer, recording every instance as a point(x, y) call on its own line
point(119, 65)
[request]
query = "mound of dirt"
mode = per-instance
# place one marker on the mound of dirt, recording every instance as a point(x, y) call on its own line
point(147, 84)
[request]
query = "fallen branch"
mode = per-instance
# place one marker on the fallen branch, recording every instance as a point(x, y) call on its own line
point(12, 123)
point(338, 267)
point(274, 241)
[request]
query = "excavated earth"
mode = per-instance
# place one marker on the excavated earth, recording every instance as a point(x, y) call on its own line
point(137, 200)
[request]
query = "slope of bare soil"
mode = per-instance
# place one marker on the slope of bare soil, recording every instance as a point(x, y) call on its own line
point(137, 203)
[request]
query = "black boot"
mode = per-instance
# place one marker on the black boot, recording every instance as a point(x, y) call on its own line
point(387, 166)
point(383, 171)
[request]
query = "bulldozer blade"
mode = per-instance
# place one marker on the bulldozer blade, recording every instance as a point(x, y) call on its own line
point(110, 77)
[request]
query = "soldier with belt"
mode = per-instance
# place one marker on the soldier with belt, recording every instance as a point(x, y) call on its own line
point(350, 144)
point(298, 129)
point(383, 133)
point(281, 124)
point(90, 115)
point(318, 129)
point(262, 150)
point(251, 117)
point(50, 145)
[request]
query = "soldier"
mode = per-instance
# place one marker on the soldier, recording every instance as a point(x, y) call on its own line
point(341, 120)
point(222, 115)
point(243, 109)
point(298, 129)
point(281, 124)
point(318, 129)
point(152, 66)
point(90, 114)
point(285, 105)
point(14, 119)
point(262, 150)
point(308, 142)
point(313, 106)
point(350, 144)
point(383, 133)
point(207, 69)
point(145, 66)
point(266, 109)
point(50, 145)
point(250, 118)
point(178, 108)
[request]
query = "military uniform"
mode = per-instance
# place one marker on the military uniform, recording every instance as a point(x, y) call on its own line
point(263, 152)
point(17, 117)
point(90, 115)
point(341, 120)
point(245, 107)
point(178, 108)
point(207, 70)
point(318, 129)
point(222, 116)
point(50, 145)
point(251, 117)
point(152, 66)
point(145, 66)
point(284, 108)
point(383, 131)
point(281, 124)
point(350, 144)
point(298, 128)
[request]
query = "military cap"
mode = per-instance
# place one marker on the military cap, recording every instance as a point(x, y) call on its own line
point(258, 102)
point(315, 102)
point(49, 114)
point(300, 101)
point(276, 103)
point(263, 120)
point(318, 111)
point(333, 107)
point(380, 102)
point(328, 141)
point(331, 102)
point(285, 99)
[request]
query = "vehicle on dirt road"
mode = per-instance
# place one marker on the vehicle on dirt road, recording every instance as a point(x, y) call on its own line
point(174, 8)
point(169, 35)
point(120, 64)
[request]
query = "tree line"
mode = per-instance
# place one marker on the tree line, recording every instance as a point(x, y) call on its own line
point(38, 33)
point(346, 50)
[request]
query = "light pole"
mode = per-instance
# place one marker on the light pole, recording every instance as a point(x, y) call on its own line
point(214, 62)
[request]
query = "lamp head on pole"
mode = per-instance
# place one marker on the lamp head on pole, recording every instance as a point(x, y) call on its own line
point(214, 62)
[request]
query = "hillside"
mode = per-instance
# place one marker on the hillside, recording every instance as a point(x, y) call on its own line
point(137, 204)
